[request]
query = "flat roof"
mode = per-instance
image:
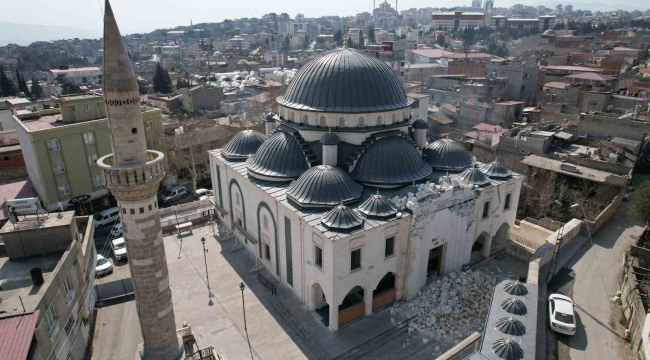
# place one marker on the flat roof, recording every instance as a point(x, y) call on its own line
point(16, 190)
point(18, 101)
point(572, 68)
point(42, 221)
point(583, 172)
point(417, 96)
point(90, 68)
point(556, 85)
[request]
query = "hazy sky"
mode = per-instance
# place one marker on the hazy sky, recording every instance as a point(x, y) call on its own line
point(147, 15)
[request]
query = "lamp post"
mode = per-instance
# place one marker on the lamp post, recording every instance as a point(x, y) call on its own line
point(205, 258)
point(242, 287)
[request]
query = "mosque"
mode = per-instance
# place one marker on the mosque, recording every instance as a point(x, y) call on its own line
point(345, 202)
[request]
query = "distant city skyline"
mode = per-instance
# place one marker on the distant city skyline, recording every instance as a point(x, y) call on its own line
point(83, 17)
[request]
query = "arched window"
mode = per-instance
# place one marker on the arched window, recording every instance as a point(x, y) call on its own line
point(379, 120)
point(323, 122)
point(394, 118)
point(305, 119)
point(291, 116)
point(237, 202)
point(265, 222)
point(341, 122)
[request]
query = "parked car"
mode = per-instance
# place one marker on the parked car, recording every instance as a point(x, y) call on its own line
point(116, 231)
point(628, 193)
point(119, 248)
point(173, 194)
point(561, 315)
point(204, 194)
point(106, 217)
point(102, 266)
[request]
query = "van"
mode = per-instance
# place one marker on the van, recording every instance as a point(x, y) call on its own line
point(173, 194)
point(106, 217)
point(204, 194)
point(119, 248)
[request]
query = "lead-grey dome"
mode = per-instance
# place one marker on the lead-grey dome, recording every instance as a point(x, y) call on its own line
point(514, 306)
point(420, 124)
point(508, 349)
point(495, 170)
point(243, 145)
point(269, 117)
point(391, 161)
point(377, 206)
point(471, 177)
point(330, 139)
point(324, 185)
point(405, 191)
point(447, 154)
point(516, 288)
point(511, 326)
point(280, 158)
point(342, 218)
point(345, 81)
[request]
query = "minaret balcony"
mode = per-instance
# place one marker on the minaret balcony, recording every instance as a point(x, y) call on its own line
point(116, 177)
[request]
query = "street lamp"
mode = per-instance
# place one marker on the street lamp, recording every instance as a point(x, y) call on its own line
point(242, 287)
point(205, 258)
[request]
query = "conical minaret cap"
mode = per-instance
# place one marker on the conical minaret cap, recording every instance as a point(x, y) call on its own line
point(122, 98)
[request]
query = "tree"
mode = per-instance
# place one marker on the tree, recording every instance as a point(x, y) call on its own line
point(7, 87)
point(350, 43)
point(371, 34)
point(440, 40)
point(286, 44)
point(162, 83)
point(360, 45)
point(36, 90)
point(25, 89)
point(70, 88)
point(338, 37)
point(641, 197)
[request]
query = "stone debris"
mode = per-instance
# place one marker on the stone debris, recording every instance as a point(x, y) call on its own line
point(450, 307)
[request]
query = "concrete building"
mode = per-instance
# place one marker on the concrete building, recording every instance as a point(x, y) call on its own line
point(166, 102)
point(61, 147)
point(79, 76)
point(457, 19)
point(201, 98)
point(338, 203)
point(540, 23)
point(238, 44)
point(47, 272)
point(522, 80)
point(133, 174)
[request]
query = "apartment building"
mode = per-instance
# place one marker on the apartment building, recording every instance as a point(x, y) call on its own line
point(48, 275)
point(61, 147)
point(457, 19)
point(79, 76)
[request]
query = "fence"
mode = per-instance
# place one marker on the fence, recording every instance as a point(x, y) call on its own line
point(182, 213)
point(205, 353)
point(267, 284)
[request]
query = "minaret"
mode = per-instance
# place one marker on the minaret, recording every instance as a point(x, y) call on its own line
point(132, 174)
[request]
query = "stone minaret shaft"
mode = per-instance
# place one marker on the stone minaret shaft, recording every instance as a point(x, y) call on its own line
point(132, 174)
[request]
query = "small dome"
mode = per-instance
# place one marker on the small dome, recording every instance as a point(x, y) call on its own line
point(377, 206)
point(516, 288)
point(514, 306)
point(324, 185)
point(405, 191)
point(330, 139)
point(447, 154)
point(280, 158)
point(391, 161)
point(420, 124)
point(243, 145)
point(495, 170)
point(508, 349)
point(549, 32)
point(445, 180)
point(341, 218)
point(471, 177)
point(345, 81)
point(269, 117)
point(511, 326)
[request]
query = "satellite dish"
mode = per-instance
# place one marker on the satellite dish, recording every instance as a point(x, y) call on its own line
point(524, 119)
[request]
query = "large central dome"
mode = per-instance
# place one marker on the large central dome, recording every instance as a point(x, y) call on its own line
point(345, 81)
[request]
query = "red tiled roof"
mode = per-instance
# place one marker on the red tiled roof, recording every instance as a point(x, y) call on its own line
point(556, 85)
point(16, 335)
point(644, 71)
point(591, 76)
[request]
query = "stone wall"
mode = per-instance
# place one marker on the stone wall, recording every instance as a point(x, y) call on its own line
point(638, 321)
point(612, 167)
point(605, 215)
point(599, 125)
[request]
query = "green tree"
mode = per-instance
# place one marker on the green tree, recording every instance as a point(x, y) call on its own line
point(23, 85)
point(361, 43)
point(70, 88)
point(440, 40)
point(7, 87)
point(286, 44)
point(36, 90)
point(371, 34)
point(641, 208)
point(350, 43)
point(162, 83)
point(338, 37)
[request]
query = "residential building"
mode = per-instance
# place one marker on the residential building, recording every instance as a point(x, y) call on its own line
point(338, 202)
point(355, 36)
point(522, 80)
point(476, 4)
point(540, 23)
point(166, 102)
point(48, 276)
point(79, 76)
point(61, 147)
point(238, 44)
point(201, 98)
point(457, 19)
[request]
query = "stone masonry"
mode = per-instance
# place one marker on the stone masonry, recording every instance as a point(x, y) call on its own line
point(133, 175)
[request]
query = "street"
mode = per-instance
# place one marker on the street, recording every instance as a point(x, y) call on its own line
point(592, 278)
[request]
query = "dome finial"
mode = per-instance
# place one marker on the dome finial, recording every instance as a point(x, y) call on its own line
point(345, 39)
point(330, 130)
point(377, 191)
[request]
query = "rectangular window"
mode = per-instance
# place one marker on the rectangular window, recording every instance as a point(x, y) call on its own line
point(486, 210)
point(97, 180)
point(508, 201)
point(148, 125)
point(64, 189)
point(267, 252)
point(52, 318)
point(152, 144)
point(92, 159)
point(287, 241)
point(67, 287)
point(58, 168)
point(86, 108)
point(355, 259)
point(53, 145)
point(89, 138)
point(390, 247)
point(318, 256)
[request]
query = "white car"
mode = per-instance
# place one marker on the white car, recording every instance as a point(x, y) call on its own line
point(116, 231)
point(119, 248)
point(204, 194)
point(102, 266)
point(561, 315)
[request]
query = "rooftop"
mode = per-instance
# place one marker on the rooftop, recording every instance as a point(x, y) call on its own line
point(582, 172)
point(571, 68)
point(16, 282)
point(42, 221)
point(18, 101)
point(59, 71)
point(556, 85)
point(16, 335)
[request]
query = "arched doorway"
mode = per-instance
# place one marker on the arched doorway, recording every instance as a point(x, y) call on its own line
point(352, 307)
point(500, 239)
point(385, 293)
point(318, 303)
point(481, 243)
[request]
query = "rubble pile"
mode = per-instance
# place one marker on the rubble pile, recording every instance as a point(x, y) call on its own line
point(450, 307)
